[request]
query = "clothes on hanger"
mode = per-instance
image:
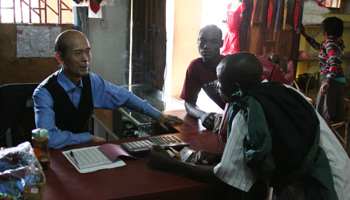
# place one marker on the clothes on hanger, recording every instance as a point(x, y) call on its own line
point(95, 5)
point(233, 23)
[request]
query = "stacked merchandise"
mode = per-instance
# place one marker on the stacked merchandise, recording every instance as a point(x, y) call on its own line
point(21, 175)
point(313, 11)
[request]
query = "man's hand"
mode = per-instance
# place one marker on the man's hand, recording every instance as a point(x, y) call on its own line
point(208, 120)
point(166, 118)
point(159, 158)
point(97, 139)
point(207, 158)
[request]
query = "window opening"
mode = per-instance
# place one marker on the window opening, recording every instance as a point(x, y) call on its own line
point(35, 11)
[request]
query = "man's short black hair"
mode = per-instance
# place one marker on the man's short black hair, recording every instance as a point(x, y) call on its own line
point(61, 41)
point(61, 47)
point(333, 26)
point(213, 27)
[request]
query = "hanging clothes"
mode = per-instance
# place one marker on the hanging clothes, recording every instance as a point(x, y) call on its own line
point(95, 5)
point(269, 13)
point(253, 13)
point(278, 13)
point(233, 22)
point(296, 14)
point(285, 14)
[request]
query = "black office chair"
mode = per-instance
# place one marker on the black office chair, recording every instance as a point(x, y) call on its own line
point(16, 113)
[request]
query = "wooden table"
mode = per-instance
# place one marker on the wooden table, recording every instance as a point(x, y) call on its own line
point(135, 180)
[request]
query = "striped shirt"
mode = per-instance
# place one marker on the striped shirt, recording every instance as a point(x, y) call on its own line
point(233, 170)
point(330, 53)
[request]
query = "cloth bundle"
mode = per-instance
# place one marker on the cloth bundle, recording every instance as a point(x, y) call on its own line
point(313, 11)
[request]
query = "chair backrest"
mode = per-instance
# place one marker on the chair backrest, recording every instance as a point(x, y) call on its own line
point(16, 113)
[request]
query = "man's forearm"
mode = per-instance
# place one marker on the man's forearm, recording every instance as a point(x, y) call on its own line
point(202, 173)
point(193, 110)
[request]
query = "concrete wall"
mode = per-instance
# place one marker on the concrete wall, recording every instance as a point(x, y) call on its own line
point(109, 46)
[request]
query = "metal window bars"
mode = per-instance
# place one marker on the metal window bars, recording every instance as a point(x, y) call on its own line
point(40, 11)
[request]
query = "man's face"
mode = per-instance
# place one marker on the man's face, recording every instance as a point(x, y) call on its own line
point(225, 89)
point(77, 58)
point(209, 44)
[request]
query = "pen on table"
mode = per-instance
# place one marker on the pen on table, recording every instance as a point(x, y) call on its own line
point(75, 160)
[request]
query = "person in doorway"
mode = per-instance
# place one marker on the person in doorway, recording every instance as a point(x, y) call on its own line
point(276, 139)
point(329, 101)
point(64, 101)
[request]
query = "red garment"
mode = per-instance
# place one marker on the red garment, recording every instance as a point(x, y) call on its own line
point(276, 75)
point(95, 5)
point(233, 22)
point(269, 13)
point(199, 75)
point(253, 13)
point(296, 14)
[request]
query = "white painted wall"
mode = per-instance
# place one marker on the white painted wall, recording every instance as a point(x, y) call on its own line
point(109, 46)
point(170, 9)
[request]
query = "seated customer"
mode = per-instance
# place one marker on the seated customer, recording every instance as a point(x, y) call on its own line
point(64, 101)
point(275, 138)
point(201, 74)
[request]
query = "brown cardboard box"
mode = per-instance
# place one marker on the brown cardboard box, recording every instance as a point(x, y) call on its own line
point(35, 192)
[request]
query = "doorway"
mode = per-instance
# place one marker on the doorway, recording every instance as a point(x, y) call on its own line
point(148, 43)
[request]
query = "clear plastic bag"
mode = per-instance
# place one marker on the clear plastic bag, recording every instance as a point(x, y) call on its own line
point(18, 168)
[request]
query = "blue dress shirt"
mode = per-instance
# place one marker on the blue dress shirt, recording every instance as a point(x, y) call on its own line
point(104, 95)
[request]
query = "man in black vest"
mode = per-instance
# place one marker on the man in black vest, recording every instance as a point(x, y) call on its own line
point(64, 101)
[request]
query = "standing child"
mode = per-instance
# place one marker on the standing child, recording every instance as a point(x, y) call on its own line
point(329, 102)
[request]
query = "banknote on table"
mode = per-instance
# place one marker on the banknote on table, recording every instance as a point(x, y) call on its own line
point(187, 155)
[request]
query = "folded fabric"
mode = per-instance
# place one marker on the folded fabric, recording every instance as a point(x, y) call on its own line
point(310, 19)
point(314, 8)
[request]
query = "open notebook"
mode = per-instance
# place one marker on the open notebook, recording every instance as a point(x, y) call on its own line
point(97, 157)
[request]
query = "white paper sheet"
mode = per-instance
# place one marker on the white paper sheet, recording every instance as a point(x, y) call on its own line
point(91, 164)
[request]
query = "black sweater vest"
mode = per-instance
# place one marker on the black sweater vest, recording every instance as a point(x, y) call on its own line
point(68, 118)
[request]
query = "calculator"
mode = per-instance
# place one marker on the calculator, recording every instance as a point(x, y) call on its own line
point(163, 141)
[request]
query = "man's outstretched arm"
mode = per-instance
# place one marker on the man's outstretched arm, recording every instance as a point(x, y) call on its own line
point(161, 160)
point(206, 118)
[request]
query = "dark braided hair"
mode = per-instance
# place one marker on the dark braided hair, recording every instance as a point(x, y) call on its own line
point(333, 26)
